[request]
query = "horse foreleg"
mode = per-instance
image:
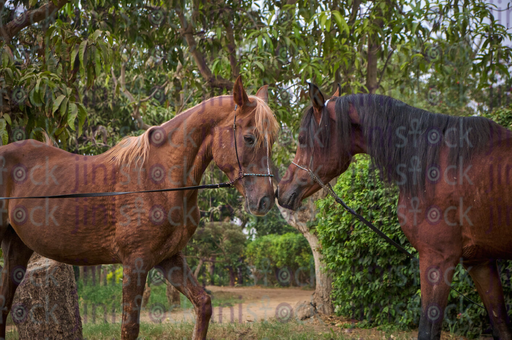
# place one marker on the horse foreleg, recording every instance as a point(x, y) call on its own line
point(180, 276)
point(436, 273)
point(488, 283)
point(134, 281)
point(16, 256)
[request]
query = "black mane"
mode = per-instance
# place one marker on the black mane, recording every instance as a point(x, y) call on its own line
point(404, 142)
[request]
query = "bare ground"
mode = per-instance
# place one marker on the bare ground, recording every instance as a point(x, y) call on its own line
point(256, 304)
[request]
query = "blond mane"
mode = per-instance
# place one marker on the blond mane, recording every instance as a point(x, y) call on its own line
point(131, 149)
point(266, 124)
point(136, 149)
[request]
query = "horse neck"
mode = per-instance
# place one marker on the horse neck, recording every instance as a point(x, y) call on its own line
point(190, 138)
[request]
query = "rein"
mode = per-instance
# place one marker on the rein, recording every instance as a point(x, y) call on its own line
point(327, 187)
point(241, 175)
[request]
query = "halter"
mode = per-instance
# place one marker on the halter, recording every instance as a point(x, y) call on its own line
point(241, 174)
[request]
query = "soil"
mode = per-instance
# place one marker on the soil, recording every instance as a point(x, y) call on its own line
point(256, 304)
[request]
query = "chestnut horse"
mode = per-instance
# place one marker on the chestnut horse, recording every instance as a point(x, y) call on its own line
point(453, 175)
point(140, 231)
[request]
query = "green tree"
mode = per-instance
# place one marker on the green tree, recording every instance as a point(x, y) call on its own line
point(285, 259)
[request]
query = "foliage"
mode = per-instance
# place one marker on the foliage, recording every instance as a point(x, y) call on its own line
point(373, 281)
point(502, 116)
point(224, 240)
point(285, 255)
point(272, 223)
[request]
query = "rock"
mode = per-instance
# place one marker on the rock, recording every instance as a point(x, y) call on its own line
point(45, 305)
point(304, 310)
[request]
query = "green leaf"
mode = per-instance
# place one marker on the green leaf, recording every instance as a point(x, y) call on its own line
point(34, 98)
point(57, 103)
point(342, 24)
point(73, 55)
point(95, 35)
point(7, 118)
point(3, 132)
point(72, 113)
point(82, 48)
point(64, 107)
point(82, 115)
point(32, 3)
point(97, 63)
point(323, 18)
point(260, 65)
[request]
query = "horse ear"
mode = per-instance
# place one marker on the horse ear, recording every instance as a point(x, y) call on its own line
point(317, 98)
point(239, 94)
point(338, 91)
point(318, 101)
point(263, 93)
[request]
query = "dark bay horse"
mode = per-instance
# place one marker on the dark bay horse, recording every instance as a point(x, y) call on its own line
point(140, 231)
point(454, 177)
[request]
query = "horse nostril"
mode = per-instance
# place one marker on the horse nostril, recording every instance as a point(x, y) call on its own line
point(264, 203)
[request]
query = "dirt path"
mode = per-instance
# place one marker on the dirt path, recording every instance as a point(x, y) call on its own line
point(256, 304)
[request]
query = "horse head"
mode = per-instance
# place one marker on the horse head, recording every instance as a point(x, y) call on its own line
point(247, 160)
point(326, 146)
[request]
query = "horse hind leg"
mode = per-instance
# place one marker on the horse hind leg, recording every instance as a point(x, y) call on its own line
point(488, 284)
point(16, 255)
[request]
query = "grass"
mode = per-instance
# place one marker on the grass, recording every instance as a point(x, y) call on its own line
point(261, 330)
point(270, 330)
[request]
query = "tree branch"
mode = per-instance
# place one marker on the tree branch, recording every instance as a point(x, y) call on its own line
point(235, 69)
point(374, 48)
point(136, 111)
point(30, 17)
point(154, 92)
point(187, 32)
point(384, 68)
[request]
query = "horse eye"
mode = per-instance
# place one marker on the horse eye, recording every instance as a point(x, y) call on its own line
point(249, 140)
point(301, 140)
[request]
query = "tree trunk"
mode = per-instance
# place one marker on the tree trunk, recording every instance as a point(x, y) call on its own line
point(104, 272)
point(240, 271)
point(173, 296)
point(45, 305)
point(198, 268)
point(146, 295)
point(212, 270)
point(231, 276)
point(323, 279)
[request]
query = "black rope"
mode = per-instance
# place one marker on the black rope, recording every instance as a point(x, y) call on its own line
point(119, 193)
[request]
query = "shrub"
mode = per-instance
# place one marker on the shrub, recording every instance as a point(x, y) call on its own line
point(284, 255)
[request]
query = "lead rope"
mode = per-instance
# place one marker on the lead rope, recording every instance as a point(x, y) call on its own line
point(328, 188)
